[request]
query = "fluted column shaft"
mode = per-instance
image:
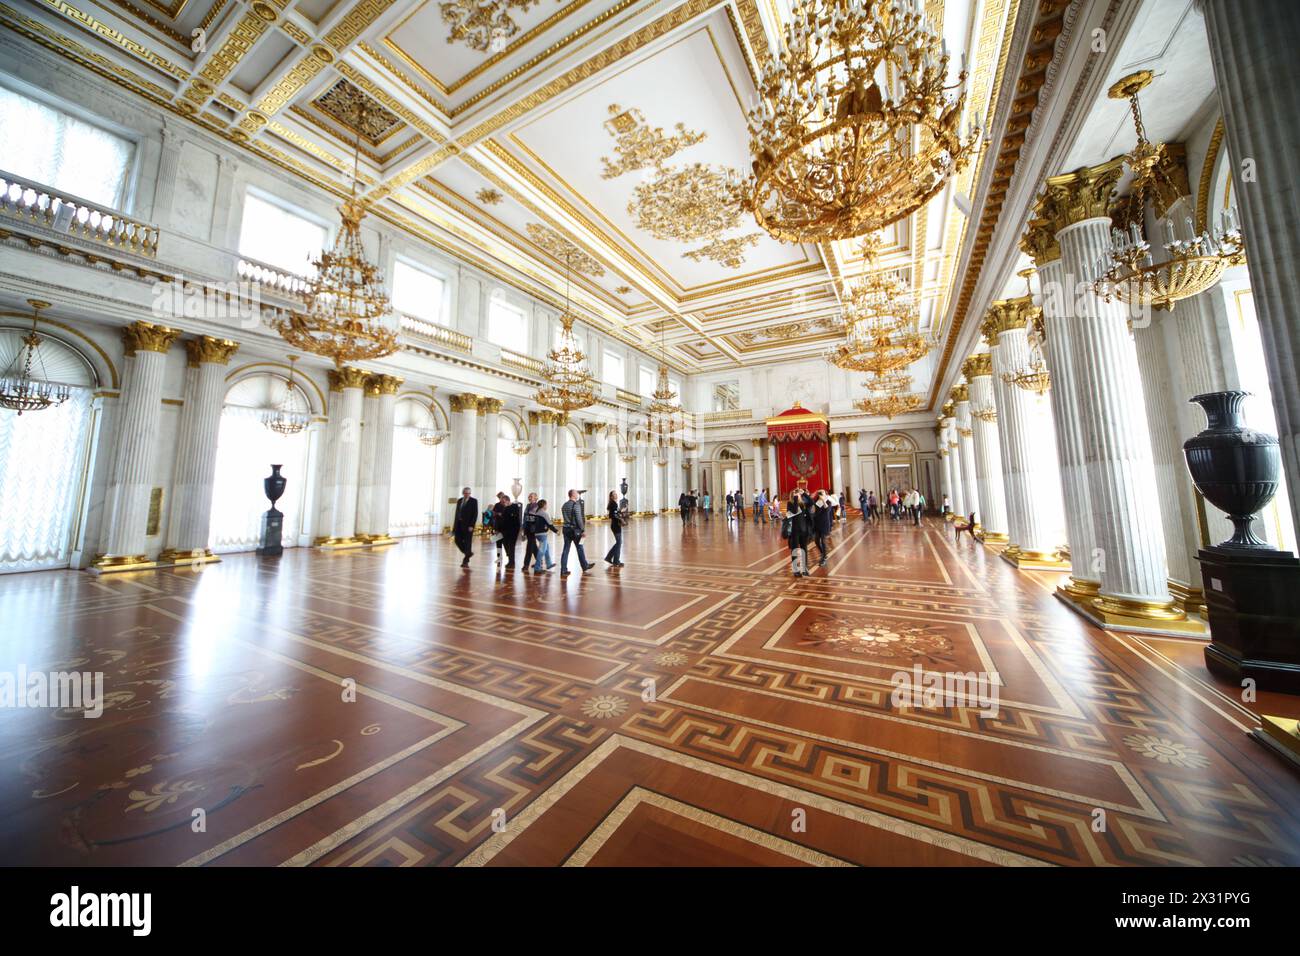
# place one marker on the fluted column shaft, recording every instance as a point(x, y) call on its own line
point(855, 479)
point(196, 448)
point(348, 457)
point(490, 410)
point(759, 479)
point(137, 444)
point(966, 444)
point(958, 473)
point(329, 464)
point(614, 476)
point(773, 472)
point(1252, 49)
point(988, 459)
point(560, 476)
point(382, 474)
point(1029, 463)
point(945, 463)
point(837, 470)
point(366, 457)
point(1085, 577)
point(463, 467)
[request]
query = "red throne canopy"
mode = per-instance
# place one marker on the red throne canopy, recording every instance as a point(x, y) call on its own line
point(801, 440)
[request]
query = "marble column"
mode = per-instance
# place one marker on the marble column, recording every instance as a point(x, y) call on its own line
point(328, 476)
point(343, 529)
point(560, 479)
point(837, 470)
point(966, 444)
point(602, 483)
point(196, 451)
point(945, 465)
point(1253, 53)
point(613, 466)
point(773, 472)
point(1121, 478)
point(489, 410)
point(956, 474)
point(628, 462)
point(1035, 516)
point(1040, 243)
point(366, 457)
point(381, 475)
point(129, 488)
point(465, 408)
point(978, 370)
point(855, 478)
point(760, 479)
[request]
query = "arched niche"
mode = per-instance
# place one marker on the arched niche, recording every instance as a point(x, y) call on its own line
point(302, 382)
point(64, 355)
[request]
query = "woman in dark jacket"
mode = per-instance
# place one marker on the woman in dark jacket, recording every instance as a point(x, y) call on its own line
point(823, 516)
point(508, 521)
point(615, 554)
point(799, 528)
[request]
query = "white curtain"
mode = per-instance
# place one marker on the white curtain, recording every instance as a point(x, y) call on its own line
point(41, 143)
point(246, 449)
point(414, 466)
point(42, 463)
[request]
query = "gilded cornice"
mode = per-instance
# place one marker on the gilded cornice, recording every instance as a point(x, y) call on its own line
point(960, 393)
point(977, 365)
point(1083, 194)
point(207, 349)
point(147, 337)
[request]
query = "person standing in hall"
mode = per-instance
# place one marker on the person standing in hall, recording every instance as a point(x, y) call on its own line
point(795, 530)
point(464, 524)
point(530, 534)
point(574, 515)
point(684, 506)
point(706, 505)
point(873, 506)
point(920, 505)
point(508, 524)
point(822, 518)
point(615, 554)
point(740, 504)
point(862, 504)
point(498, 510)
point(542, 530)
point(731, 504)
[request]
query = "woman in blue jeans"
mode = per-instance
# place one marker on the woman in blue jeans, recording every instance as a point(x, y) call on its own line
point(615, 554)
point(543, 528)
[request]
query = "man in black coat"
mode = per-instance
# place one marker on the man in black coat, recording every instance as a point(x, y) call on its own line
point(684, 506)
point(822, 517)
point(464, 524)
point(508, 524)
point(574, 528)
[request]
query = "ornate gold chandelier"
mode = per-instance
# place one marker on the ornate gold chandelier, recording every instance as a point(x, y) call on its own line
point(432, 435)
point(890, 395)
point(1194, 262)
point(346, 306)
point(285, 420)
point(665, 411)
point(881, 315)
point(856, 126)
point(19, 392)
point(568, 383)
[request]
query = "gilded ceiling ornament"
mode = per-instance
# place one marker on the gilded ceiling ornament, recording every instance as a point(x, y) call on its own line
point(489, 197)
point(477, 23)
point(356, 111)
point(638, 145)
point(726, 252)
point(554, 244)
point(686, 204)
point(623, 289)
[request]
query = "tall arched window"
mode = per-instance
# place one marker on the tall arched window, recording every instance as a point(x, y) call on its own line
point(246, 449)
point(43, 461)
point(415, 468)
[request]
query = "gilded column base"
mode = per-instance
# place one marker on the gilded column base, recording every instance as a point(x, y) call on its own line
point(1281, 735)
point(379, 540)
point(106, 564)
point(340, 544)
point(994, 537)
point(1079, 590)
point(1190, 599)
point(1121, 614)
point(1034, 560)
point(181, 556)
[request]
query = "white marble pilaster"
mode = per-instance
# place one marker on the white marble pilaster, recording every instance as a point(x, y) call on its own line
point(988, 453)
point(366, 456)
point(382, 472)
point(966, 445)
point(343, 529)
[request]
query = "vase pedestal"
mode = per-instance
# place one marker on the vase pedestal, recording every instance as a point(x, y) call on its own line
point(272, 529)
point(1253, 597)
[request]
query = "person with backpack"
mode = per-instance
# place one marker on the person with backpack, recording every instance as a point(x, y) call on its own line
point(796, 530)
point(823, 517)
point(530, 533)
point(542, 529)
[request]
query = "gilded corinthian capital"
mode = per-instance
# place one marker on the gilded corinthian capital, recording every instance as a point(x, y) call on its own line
point(465, 402)
point(207, 349)
point(490, 406)
point(347, 377)
point(147, 337)
point(977, 365)
point(1005, 315)
point(388, 384)
point(960, 393)
point(1083, 194)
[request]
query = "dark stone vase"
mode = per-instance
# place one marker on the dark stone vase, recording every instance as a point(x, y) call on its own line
point(622, 487)
point(273, 484)
point(1234, 467)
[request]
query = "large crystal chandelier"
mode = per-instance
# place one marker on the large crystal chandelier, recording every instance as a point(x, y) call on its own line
point(889, 395)
point(347, 308)
point(19, 391)
point(1194, 262)
point(881, 315)
point(665, 418)
point(857, 126)
point(568, 384)
point(286, 420)
point(431, 434)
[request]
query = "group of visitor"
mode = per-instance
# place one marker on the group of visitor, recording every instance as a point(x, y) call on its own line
point(808, 520)
point(506, 519)
point(689, 502)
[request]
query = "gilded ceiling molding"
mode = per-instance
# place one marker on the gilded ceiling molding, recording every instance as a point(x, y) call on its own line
point(638, 145)
point(345, 103)
point(115, 37)
point(558, 247)
point(1207, 178)
point(479, 23)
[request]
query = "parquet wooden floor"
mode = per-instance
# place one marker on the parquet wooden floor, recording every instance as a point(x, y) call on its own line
point(699, 706)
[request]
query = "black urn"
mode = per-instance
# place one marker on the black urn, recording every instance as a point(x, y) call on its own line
point(273, 484)
point(1234, 467)
point(622, 487)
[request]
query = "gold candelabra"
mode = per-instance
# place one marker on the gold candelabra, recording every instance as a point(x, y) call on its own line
point(286, 420)
point(567, 382)
point(857, 125)
point(19, 390)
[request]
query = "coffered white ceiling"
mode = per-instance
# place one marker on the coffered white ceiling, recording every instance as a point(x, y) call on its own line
point(496, 154)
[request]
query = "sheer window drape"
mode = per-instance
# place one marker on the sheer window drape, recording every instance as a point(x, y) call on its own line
point(414, 466)
point(246, 449)
point(55, 149)
point(42, 464)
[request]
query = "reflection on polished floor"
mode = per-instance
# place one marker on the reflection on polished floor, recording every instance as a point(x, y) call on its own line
point(700, 706)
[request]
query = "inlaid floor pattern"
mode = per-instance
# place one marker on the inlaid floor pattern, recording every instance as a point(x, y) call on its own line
point(699, 706)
